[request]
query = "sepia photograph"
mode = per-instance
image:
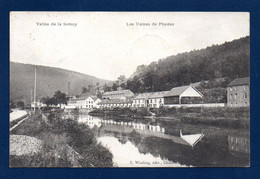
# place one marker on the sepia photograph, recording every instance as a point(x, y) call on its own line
point(129, 89)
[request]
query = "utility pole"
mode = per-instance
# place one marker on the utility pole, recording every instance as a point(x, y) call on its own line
point(31, 99)
point(34, 90)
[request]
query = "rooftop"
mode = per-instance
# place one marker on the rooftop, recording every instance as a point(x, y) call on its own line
point(159, 94)
point(117, 92)
point(115, 101)
point(177, 91)
point(240, 81)
point(143, 95)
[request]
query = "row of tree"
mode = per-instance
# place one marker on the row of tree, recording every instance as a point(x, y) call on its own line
point(57, 99)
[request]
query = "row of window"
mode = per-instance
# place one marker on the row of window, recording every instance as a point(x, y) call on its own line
point(117, 94)
point(103, 105)
point(235, 104)
point(245, 96)
point(149, 101)
point(234, 88)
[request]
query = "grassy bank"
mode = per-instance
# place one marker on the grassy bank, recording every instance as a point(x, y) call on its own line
point(58, 137)
point(225, 117)
point(14, 122)
point(222, 117)
point(121, 112)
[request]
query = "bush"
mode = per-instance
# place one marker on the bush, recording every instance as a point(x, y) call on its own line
point(57, 134)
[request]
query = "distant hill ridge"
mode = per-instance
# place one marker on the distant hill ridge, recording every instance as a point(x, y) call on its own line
point(49, 79)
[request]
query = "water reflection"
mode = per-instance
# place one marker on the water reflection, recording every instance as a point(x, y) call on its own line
point(238, 144)
point(128, 155)
point(89, 120)
point(137, 144)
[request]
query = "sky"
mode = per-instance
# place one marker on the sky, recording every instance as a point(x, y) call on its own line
point(109, 44)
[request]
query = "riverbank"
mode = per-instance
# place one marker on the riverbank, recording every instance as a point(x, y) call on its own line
point(58, 137)
point(221, 117)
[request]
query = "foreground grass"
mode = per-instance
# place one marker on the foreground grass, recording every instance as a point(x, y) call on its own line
point(58, 135)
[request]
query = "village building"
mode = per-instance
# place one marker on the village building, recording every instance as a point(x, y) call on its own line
point(113, 103)
point(118, 94)
point(141, 100)
point(38, 104)
point(156, 99)
point(238, 93)
point(84, 102)
point(92, 102)
point(175, 95)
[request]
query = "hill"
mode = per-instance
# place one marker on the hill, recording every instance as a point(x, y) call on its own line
point(229, 60)
point(49, 80)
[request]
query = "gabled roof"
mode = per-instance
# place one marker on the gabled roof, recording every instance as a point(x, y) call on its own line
point(240, 81)
point(176, 91)
point(94, 97)
point(143, 96)
point(159, 94)
point(115, 101)
point(117, 92)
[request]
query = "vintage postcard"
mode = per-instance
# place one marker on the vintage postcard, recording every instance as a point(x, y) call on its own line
point(129, 89)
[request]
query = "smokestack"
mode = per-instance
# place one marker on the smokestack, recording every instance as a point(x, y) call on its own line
point(69, 89)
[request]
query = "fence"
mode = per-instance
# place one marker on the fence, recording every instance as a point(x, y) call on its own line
point(197, 105)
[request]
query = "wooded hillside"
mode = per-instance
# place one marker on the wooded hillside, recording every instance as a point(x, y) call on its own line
point(231, 59)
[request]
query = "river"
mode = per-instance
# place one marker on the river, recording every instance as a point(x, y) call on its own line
point(147, 143)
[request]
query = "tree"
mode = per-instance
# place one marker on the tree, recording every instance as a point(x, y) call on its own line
point(123, 86)
point(114, 87)
point(99, 95)
point(107, 88)
point(121, 79)
point(20, 104)
point(46, 100)
point(60, 98)
point(50, 101)
point(12, 104)
point(84, 90)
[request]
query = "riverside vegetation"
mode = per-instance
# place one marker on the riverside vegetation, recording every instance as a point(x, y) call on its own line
point(60, 137)
point(222, 117)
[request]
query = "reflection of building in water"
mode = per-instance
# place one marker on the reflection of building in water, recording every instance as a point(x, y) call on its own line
point(143, 129)
point(90, 121)
point(136, 126)
point(239, 144)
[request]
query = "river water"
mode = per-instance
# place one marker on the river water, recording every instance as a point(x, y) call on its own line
point(147, 143)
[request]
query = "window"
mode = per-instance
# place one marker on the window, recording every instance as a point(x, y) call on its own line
point(231, 95)
point(245, 95)
point(230, 89)
point(236, 96)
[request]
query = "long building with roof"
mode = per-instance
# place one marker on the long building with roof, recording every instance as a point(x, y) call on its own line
point(112, 103)
point(161, 98)
point(175, 95)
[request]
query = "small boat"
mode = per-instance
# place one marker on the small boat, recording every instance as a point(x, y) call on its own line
point(191, 139)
